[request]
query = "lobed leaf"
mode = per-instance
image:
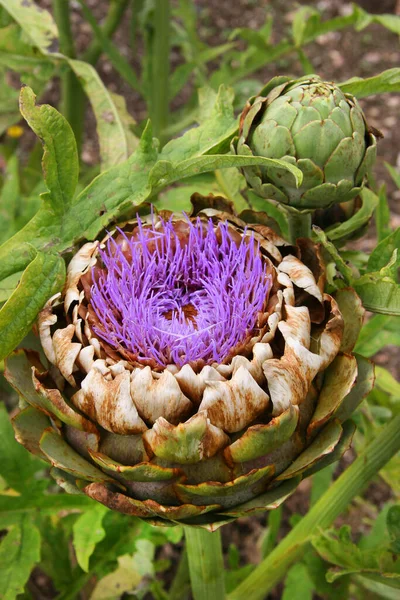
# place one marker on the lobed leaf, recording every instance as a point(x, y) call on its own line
point(19, 553)
point(387, 81)
point(43, 277)
point(87, 532)
point(110, 128)
point(60, 157)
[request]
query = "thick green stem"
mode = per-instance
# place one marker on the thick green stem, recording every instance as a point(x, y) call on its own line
point(159, 103)
point(206, 566)
point(349, 485)
point(70, 86)
point(299, 225)
point(180, 588)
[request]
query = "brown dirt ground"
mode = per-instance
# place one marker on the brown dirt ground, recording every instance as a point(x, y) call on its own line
point(336, 56)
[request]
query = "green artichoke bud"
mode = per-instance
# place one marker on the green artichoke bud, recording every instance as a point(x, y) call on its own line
point(209, 396)
point(313, 125)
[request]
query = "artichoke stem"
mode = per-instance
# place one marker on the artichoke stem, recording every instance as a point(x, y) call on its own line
point(206, 567)
point(299, 225)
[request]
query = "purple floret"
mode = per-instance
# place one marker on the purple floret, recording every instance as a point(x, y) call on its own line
point(179, 302)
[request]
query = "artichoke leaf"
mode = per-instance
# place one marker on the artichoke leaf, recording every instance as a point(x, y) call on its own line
point(322, 445)
point(259, 440)
point(339, 379)
point(62, 456)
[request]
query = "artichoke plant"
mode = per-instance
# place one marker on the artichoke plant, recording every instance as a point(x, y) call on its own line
point(195, 370)
point(315, 126)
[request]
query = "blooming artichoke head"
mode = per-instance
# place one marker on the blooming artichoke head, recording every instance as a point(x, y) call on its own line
point(313, 125)
point(194, 370)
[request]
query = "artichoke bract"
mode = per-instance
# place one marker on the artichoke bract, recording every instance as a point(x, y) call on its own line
point(313, 125)
point(196, 370)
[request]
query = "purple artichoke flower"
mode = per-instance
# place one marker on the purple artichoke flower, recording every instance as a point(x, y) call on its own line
point(196, 369)
point(172, 302)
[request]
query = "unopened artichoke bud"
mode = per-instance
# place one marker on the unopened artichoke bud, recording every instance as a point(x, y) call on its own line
point(315, 126)
point(195, 370)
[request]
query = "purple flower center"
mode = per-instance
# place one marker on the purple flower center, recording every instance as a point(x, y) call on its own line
point(176, 293)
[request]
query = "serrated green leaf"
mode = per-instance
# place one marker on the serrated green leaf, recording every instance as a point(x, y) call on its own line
point(60, 157)
point(43, 277)
point(87, 533)
point(19, 553)
point(107, 195)
point(20, 250)
point(337, 548)
point(387, 81)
